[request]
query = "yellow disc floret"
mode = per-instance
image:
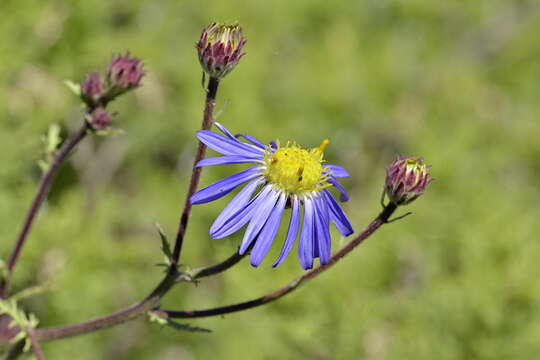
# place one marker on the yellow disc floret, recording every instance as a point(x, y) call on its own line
point(295, 170)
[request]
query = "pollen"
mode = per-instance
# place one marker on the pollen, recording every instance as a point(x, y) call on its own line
point(295, 170)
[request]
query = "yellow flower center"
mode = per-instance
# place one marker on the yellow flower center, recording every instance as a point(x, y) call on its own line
point(295, 170)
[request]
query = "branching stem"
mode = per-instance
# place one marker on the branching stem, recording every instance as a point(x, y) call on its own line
point(277, 294)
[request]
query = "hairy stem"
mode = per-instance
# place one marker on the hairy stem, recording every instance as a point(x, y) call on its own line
point(43, 190)
point(152, 301)
point(208, 120)
point(173, 276)
point(35, 345)
point(277, 294)
point(132, 312)
point(135, 311)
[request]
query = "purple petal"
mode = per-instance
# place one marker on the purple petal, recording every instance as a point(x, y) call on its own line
point(268, 232)
point(344, 197)
point(226, 146)
point(291, 233)
point(224, 186)
point(337, 171)
point(314, 237)
point(224, 130)
point(337, 215)
point(229, 159)
point(239, 219)
point(322, 228)
point(305, 246)
point(252, 140)
point(235, 205)
point(259, 218)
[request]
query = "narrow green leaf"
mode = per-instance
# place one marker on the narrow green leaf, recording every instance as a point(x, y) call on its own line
point(153, 317)
point(30, 292)
point(165, 244)
point(186, 327)
point(74, 87)
point(53, 139)
point(110, 132)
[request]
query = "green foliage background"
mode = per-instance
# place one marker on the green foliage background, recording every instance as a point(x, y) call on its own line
point(454, 81)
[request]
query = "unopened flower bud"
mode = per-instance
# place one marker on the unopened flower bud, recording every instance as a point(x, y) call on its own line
point(99, 119)
point(125, 73)
point(92, 88)
point(406, 179)
point(220, 48)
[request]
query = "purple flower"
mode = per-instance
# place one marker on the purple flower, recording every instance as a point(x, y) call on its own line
point(406, 179)
point(92, 88)
point(124, 73)
point(282, 177)
point(220, 48)
point(99, 119)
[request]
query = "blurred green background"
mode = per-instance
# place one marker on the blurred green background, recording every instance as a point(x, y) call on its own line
point(454, 81)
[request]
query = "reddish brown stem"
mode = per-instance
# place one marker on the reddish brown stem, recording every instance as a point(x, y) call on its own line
point(135, 311)
point(141, 308)
point(43, 190)
point(35, 345)
point(279, 293)
point(208, 120)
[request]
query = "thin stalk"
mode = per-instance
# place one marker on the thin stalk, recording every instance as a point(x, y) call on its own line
point(173, 276)
point(152, 301)
point(136, 310)
point(132, 312)
point(42, 191)
point(279, 293)
point(208, 120)
point(217, 268)
point(35, 345)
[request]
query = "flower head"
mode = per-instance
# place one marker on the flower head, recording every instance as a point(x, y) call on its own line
point(220, 48)
point(282, 177)
point(92, 88)
point(99, 119)
point(125, 73)
point(406, 179)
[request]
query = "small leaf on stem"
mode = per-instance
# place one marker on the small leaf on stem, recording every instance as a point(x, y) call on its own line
point(74, 87)
point(165, 244)
point(186, 327)
point(51, 141)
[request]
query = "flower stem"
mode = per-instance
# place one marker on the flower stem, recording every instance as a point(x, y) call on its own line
point(277, 294)
point(43, 190)
point(217, 268)
point(132, 312)
point(35, 345)
point(208, 120)
point(151, 301)
point(135, 311)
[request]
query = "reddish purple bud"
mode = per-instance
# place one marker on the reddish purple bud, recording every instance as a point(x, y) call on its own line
point(124, 73)
point(92, 88)
point(99, 119)
point(220, 48)
point(406, 179)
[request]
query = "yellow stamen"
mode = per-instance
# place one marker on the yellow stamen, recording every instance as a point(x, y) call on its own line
point(295, 170)
point(323, 145)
